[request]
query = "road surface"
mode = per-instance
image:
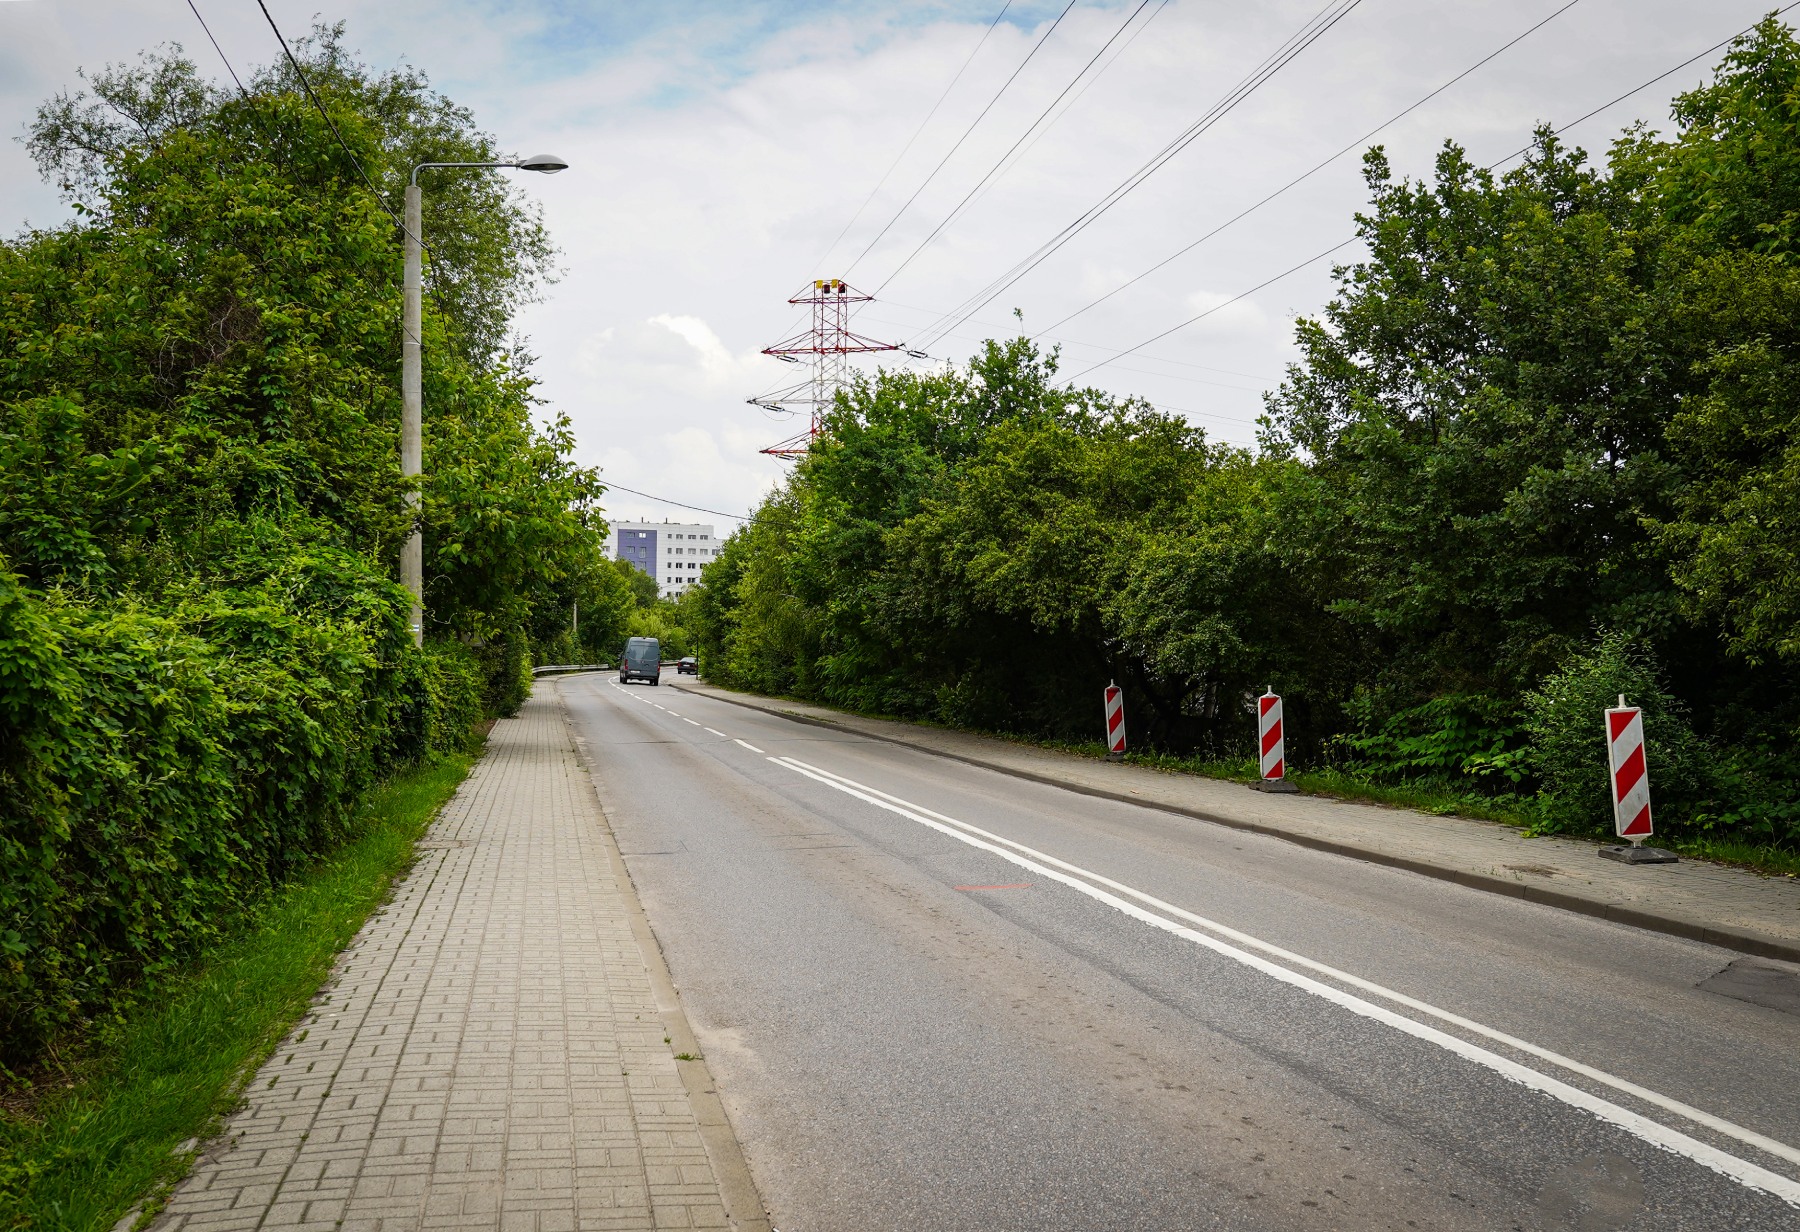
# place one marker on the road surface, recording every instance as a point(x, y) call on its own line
point(939, 997)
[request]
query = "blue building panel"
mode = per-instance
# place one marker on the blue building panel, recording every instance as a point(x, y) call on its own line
point(639, 547)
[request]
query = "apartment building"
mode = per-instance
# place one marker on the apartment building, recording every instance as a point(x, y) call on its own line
point(671, 552)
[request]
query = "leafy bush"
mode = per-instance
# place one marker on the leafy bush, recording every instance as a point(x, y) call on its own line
point(1565, 719)
point(1462, 735)
point(156, 767)
point(203, 664)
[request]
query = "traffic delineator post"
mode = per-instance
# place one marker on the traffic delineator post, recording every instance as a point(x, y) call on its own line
point(1628, 780)
point(1271, 741)
point(1115, 723)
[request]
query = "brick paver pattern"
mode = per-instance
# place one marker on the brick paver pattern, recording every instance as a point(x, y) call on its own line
point(488, 1053)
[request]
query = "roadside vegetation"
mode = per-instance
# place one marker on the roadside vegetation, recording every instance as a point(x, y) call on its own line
point(205, 668)
point(1542, 448)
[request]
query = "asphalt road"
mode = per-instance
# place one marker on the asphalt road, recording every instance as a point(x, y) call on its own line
point(938, 997)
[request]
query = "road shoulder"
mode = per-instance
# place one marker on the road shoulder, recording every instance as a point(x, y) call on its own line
point(1728, 907)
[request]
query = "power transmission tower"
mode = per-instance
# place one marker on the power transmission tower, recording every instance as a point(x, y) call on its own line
point(828, 345)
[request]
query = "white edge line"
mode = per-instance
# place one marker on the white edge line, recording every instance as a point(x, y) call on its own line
point(746, 744)
point(1699, 1116)
point(1653, 1132)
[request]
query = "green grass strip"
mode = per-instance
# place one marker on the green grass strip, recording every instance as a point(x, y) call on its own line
point(173, 1064)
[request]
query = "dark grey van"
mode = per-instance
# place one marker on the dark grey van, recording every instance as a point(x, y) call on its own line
point(642, 660)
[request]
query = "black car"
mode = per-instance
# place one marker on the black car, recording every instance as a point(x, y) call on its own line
point(689, 666)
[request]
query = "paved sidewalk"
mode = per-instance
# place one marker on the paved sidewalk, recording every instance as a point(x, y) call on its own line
point(1706, 902)
point(490, 1052)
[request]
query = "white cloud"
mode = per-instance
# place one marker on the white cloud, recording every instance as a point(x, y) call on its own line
point(718, 149)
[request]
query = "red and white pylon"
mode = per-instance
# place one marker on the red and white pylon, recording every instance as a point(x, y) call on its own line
point(826, 345)
point(1115, 721)
point(1630, 775)
point(1270, 737)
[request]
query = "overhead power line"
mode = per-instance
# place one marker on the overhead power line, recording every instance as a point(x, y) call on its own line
point(1035, 47)
point(1313, 260)
point(973, 51)
point(717, 513)
point(1525, 149)
point(1333, 12)
point(1065, 340)
point(999, 163)
point(1070, 106)
point(1315, 168)
point(219, 49)
point(329, 122)
point(1200, 316)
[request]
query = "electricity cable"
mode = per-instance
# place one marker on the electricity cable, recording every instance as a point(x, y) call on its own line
point(1317, 167)
point(1284, 55)
point(1094, 346)
point(995, 169)
point(219, 49)
point(1646, 85)
point(1067, 341)
point(717, 513)
point(1346, 243)
point(1035, 47)
point(1297, 42)
point(917, 132)
point(1079, 95)
point(1293, 269)
point(332, 124)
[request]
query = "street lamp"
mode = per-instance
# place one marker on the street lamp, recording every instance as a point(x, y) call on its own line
point(412, 555)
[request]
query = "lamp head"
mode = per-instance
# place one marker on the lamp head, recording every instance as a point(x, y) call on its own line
point(549, 164)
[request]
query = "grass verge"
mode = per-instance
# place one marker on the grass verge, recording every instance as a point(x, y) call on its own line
point(115, 1126)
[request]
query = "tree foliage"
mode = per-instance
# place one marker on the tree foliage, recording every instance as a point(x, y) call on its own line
point(1542, 443)
point(204, 658)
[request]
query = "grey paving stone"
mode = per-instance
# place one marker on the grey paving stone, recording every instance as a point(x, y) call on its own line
point(465, 1066)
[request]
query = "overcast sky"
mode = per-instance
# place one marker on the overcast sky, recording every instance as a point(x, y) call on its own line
point(719, 149)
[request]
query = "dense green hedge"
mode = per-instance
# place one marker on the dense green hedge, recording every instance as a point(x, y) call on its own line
point(156, 767)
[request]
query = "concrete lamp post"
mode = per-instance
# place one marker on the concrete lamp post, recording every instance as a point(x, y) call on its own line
point(412, 555)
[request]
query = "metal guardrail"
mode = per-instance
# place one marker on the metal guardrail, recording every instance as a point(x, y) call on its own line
point(563, 669)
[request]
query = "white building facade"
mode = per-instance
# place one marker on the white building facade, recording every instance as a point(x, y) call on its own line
point(671, 552)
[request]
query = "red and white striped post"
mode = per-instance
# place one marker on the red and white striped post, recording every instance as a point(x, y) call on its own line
point(1629, 779)
point(1115, 723)
point(1272, 740)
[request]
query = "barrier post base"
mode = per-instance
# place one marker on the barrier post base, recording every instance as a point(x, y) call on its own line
point(1631, 853)
point(1111, 756)
point(1280, 787)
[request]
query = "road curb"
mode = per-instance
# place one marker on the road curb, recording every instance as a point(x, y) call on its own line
point(1741, 940)
point(743, 1201)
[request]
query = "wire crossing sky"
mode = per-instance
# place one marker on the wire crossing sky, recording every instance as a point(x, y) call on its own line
point(717, 149)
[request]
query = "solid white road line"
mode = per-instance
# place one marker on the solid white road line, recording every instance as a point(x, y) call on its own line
point(746, 744)
point(1653, 1132)
point(715, 731)
point(1747, 1136)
